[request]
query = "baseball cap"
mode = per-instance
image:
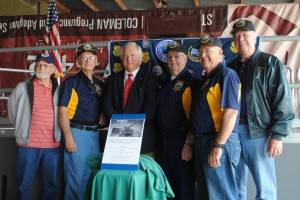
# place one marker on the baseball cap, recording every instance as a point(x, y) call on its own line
point(45, 57)
point(176, 47)
point(85, 48)
point(244, 25)
point(209, 40)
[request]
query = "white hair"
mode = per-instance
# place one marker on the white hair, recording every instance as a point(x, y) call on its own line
point(134, 44)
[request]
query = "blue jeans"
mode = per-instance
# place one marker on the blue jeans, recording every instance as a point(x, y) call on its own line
point(29, 160)
point(262, 167)
point(76, 170)
point(221, 182)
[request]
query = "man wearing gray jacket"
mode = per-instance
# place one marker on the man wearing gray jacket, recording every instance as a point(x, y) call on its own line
point(32, 109)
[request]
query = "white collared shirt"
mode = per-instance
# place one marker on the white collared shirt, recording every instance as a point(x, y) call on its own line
point(133, 74)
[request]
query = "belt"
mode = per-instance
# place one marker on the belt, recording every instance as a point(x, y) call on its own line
point(85, 127)
point(243, 121)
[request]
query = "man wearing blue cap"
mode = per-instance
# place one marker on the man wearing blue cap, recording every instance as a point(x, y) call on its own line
point(80, 107)
point(32, 109)
point(214, 111)
point(176, 144)
point(266, 111)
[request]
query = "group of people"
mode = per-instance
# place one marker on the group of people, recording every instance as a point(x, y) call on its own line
point(205, 132)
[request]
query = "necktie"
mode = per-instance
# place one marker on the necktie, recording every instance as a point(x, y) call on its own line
point(127, 88)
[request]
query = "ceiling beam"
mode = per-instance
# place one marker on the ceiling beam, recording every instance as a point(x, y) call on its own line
point(60, 7)
point(121, 4)
point(197, 3)
point(91, 5)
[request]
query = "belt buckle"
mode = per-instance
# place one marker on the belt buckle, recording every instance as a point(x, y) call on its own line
point(90, 128)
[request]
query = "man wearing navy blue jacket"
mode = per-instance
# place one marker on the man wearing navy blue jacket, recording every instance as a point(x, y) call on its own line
point(176, 144)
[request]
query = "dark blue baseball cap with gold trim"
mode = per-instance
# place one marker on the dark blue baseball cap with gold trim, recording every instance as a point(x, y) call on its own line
point(175, 47)
point(85, 48)
point(242, 24)
point(209, 40)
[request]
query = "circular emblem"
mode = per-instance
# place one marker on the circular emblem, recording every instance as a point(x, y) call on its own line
point(160, 50)
point(193, 54)
point(87, 47)
point(205, 39)
point(146, 57)
point(173, 44)
point(117, 50)
point(178, 85)
point(240, 23)
point(117, 67)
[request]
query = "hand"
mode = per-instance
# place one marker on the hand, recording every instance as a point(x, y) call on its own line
point(70, 144)
point(102, 120)
point(214, 157)
point(186, 152)
point(274, 147)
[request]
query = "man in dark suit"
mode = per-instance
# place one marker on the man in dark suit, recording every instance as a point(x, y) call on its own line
point(134, 90)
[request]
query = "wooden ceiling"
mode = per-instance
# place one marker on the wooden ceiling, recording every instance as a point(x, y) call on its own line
point(68, 6)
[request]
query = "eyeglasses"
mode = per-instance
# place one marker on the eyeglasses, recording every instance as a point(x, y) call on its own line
point(86, 58)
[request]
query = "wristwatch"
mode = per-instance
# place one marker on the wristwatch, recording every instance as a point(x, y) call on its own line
point(215, 145)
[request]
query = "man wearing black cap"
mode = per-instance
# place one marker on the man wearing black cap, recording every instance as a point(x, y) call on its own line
point(79, 114)
point(214, 111)
point(32, 109)
point(176, 145)
point(266, 111)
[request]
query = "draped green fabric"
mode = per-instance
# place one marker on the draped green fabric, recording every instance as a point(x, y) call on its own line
point(147, 183)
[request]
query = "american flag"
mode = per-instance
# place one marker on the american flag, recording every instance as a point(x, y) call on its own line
point(51, 35)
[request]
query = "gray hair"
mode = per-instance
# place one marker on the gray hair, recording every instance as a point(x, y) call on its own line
point(134, 44)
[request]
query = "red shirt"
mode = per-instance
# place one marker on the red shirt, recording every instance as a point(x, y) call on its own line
point(42, 120)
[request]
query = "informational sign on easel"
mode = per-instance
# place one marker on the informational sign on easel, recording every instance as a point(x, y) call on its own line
point(123, 143)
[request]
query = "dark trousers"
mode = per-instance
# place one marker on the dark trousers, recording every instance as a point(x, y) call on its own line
point(180, 173)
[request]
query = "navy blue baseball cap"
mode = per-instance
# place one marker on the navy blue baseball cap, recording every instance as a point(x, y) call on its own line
point(244, 25)
point(85, 48)
point(176, 47)
point(209, 40)
point(45, 57)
